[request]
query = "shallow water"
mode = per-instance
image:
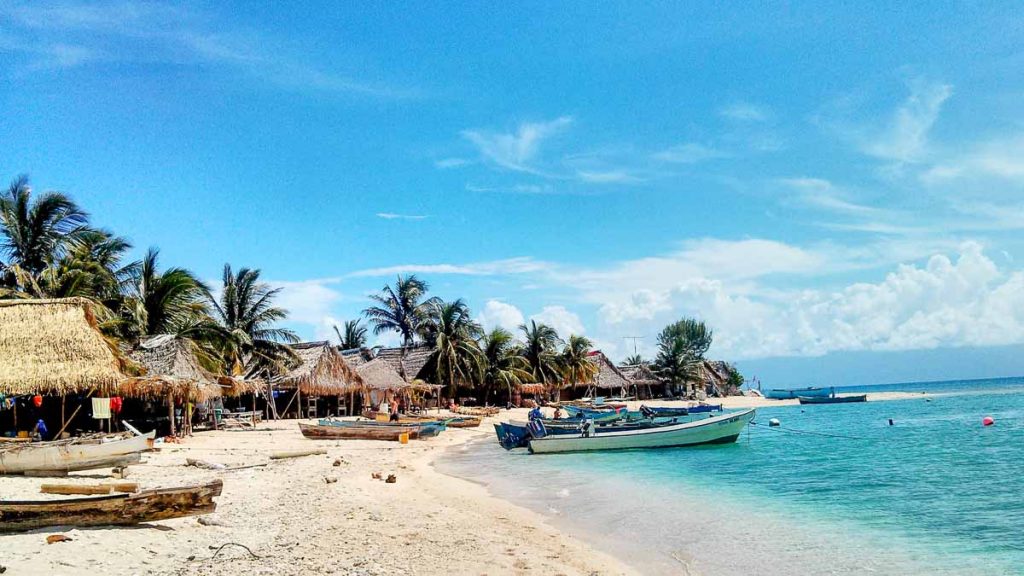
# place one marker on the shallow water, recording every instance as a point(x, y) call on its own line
point(835, 490)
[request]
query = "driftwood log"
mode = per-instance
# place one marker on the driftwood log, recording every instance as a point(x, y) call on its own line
point(89, 489)
point(120, 510)
point(297, 453)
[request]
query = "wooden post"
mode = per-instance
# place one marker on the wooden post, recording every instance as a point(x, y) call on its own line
point(170, 404)
point(298, 405)
point(63, 422)
point(289, 404)
point(254, 410)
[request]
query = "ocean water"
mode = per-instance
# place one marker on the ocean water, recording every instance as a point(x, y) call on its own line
point(835, 490)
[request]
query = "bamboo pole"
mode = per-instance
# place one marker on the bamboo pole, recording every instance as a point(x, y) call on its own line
point(170, 404)
point(298, 405)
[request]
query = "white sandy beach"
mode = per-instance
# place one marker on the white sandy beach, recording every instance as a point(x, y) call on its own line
point(297, 523)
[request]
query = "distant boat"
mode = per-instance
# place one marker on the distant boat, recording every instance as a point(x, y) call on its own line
point(833, 399)
point(715, 430)
point(792, 393)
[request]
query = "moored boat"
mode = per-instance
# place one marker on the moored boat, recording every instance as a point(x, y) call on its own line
point(714, 430)
point(63, 456)
point(793, 393)
point(833, 399)
point(393, 433)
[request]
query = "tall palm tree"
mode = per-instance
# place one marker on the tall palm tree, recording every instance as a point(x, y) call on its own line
point(456, 359)
point(504, 364)
point(168, 302)
point(400, 308)
point(354, 336)
point(574, 362)
point(34, 233)
point(245, 310)
point(634, 360)
point(540, 351)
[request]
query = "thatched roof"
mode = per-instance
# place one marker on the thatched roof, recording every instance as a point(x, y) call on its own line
point(608, 376)
point(408, 364)
point(171, 367)
point(378, 374)
point(237, 386)
point(714, 374)
point(53, 347)
point(639, 374)
point(531, 388)
point(321, 371)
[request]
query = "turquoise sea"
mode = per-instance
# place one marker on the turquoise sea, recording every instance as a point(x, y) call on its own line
point(835, 490)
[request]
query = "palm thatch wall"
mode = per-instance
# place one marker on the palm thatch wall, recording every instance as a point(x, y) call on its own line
point(54, 347)
point(171, 368)
point(322, 371)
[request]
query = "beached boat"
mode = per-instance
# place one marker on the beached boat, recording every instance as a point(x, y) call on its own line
point(793, 393)
point(426, 429)
point(714, 430)
point(63, 456)
point(452, 422)
point(833, 399)
point(123, 509)
point(703, 408)
point(482, 411)
point(393, 433)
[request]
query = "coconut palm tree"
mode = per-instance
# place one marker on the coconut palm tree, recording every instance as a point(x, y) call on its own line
point(504, 364)
point(244, 309)
point(574, 362)
point(34, 234)
point(456, 359)
point(168, 302)
point(540, 351)
point(400, 308)
point(354, 336)
point(634, 360)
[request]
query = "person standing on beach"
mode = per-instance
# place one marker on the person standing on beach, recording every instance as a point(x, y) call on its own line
point(394, 410)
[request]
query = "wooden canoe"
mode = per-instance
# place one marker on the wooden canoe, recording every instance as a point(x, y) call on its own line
point(482, 411)
point(120, 510)
point(65, 456)
point(451, 422)
point(358, 432)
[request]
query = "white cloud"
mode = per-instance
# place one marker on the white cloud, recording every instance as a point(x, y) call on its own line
point(607, 177)
point(905, 139)
point(520, 265)
point(744, 112)
point(516, 150)
point(500, 314)
point(393, 216)
point(309, 302)
point(688, 153)
point(945, 303)
point(452, 163)
point(561, 319)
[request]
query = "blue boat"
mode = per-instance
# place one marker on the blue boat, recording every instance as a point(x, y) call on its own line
point(596, 415)
point(794, 393)
point(518, 435)
point(705, 408)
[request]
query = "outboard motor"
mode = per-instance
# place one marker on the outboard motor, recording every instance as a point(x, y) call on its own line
point(536, 428)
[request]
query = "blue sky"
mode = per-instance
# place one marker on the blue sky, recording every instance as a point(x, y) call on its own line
point(818, 182)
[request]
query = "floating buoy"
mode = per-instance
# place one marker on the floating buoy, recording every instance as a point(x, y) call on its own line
point(987, 421)
point(773, 422)
point(891, 422)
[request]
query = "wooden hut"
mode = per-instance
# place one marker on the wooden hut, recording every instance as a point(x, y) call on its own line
point(172, 373)
point(321, 372)
point(609, 381)
point(54, 347)
point(642, 380)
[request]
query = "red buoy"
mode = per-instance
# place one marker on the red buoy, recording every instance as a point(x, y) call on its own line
point(987, 421)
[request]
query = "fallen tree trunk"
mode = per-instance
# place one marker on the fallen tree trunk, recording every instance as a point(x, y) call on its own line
point(297, 453)
point(120, 510)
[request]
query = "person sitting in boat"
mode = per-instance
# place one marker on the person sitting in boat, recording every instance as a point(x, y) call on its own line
point(558, 413)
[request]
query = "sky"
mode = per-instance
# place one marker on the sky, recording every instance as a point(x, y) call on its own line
point(835, 189)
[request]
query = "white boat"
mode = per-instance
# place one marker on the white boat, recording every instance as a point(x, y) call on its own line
point(65, 456)
point(715, 430)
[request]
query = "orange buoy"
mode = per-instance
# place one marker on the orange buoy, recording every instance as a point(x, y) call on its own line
point(987, 421)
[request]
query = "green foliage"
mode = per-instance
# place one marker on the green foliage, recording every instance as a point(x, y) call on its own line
point(681, 348)
point(540, 351)
point(504, 364)
point(574, 363)
point(400, 309)
point(456, 359)
point(634, 360)
point(354, 336)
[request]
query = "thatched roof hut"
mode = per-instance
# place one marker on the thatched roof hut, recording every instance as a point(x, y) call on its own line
point(408, 361)
point(171, 368)
point(608, 376)
point(531, 388)
point(322, 371)
point(640, 375)
point(379, 374)
point(54, 347)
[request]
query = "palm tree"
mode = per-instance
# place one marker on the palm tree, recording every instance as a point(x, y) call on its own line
point(574, 362)
point(168, 302)
point(354, 336)
point(540, 351)
point(681, 348)
point(34, 234)
point(634, 360)
point(504, 364)
point(456, 359)
point(400, 309)
point(253, 343)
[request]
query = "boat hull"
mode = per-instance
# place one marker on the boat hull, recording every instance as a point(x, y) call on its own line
point(69, 456)
point(357, 433)
point(714, 430)
point(833, 399)
point(794, 393)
